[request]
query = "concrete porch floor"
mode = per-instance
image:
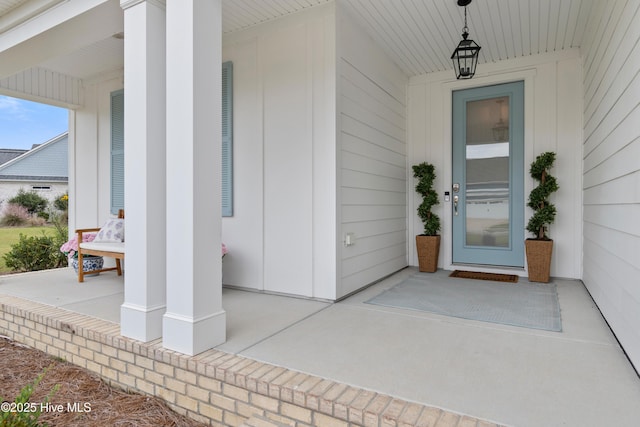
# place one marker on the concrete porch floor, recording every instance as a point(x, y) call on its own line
point(509, 375)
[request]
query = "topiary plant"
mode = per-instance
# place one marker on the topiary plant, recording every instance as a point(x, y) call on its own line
point(425, 172)
point(545, 211)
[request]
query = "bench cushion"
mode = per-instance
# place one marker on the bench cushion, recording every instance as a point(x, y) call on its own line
point(104, 246)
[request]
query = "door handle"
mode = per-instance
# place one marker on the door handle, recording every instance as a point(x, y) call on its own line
point(455, 205)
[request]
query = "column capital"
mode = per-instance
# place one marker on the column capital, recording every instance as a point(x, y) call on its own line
point(126, 4)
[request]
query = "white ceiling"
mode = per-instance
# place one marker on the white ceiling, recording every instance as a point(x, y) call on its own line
point(99, 58)
point(419, 35)
point(240, 14)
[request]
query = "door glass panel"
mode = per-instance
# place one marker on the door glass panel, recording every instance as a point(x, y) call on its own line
point(487, 173)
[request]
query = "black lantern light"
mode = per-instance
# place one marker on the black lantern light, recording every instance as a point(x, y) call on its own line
point(465, 57)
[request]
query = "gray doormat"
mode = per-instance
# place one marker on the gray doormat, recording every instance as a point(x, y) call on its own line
point(526, 304)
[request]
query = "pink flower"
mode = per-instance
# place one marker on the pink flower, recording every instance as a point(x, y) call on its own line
point(224, 250)
point(70, 247)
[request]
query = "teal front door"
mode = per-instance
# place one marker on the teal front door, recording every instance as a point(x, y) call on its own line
point(488, 175)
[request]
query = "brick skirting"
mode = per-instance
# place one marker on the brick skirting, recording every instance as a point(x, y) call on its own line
point(214, 387)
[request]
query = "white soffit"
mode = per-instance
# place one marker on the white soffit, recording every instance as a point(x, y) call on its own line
point(419, 35)
point(91, 61)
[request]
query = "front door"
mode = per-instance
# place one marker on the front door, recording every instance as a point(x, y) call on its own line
point(488, 175)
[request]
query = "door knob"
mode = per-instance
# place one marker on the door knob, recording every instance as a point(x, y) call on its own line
point(455, 205)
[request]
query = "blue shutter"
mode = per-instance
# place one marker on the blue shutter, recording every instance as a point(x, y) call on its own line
point(117, 151)
point(227, 139)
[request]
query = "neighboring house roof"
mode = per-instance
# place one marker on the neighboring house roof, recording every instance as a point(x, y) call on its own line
point(44, 162)
point(7, 154)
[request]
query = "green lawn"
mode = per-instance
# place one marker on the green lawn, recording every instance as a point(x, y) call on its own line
point(11, 235)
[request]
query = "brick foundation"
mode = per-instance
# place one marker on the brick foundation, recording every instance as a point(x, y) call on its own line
point(214, 387)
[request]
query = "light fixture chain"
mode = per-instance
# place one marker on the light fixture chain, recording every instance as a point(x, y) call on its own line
point(465, 29)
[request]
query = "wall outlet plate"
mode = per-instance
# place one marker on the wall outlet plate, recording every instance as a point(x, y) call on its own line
point(349, 239)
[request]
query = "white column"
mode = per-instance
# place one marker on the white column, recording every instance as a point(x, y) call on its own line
point(145, 169)
point(195, 320)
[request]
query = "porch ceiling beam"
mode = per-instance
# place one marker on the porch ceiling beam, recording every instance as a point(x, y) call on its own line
point(25, 12)
point(51, 34)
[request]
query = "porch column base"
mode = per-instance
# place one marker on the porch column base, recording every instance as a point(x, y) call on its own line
point(192, 336)
point(141, 323)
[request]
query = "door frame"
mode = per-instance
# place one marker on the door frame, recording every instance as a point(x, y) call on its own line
point(528, 76)
point(513, 254)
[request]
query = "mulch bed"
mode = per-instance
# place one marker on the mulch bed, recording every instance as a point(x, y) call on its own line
point(20, 365)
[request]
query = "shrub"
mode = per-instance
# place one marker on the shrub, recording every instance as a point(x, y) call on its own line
point(28, 412)
point(59, 221)
point(14, 215)
point(62, 202)
point(37, 221)
point(34, 253)
point(30, 200)
point(62, 218)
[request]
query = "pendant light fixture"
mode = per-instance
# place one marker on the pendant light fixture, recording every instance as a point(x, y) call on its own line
point(465, 57)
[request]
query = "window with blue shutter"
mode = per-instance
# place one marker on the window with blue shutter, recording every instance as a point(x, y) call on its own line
point(117, 151)
point(227, 139)
point(117, 145)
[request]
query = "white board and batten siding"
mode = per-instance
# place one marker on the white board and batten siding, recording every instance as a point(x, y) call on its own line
point(612, 168)
point(44, 86)
point(90, 154)
point(281, 237)
point(372, 159)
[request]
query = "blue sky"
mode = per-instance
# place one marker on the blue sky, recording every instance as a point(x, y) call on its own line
point(24, 123)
